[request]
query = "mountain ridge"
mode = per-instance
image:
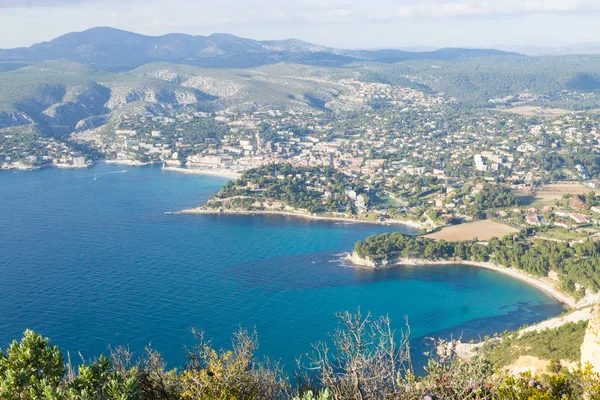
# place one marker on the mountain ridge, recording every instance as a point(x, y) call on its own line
point(119, 50)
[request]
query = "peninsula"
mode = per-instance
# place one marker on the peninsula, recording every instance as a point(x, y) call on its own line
point(319, 193)
point(567, 273)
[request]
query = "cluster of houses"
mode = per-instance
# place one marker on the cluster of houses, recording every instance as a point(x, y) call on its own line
point(397, 136)
point(377, 149)
point(40, 153)
point(562, 218)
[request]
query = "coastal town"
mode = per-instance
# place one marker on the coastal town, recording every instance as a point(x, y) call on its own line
point(407, 155)
point(398, 206)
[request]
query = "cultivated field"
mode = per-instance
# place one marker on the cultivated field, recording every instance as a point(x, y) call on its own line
point(549, 193)
point(482, 230)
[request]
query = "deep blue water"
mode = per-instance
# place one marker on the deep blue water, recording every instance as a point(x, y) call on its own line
point(91, 263)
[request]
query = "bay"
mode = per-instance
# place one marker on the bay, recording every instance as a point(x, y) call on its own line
point(90, 258)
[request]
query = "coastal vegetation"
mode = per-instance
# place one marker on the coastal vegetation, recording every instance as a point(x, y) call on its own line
point(364, 359)
point(562, 343)
point(492, 197)
point(320, 190)
point(577, 265)
point(293, 186)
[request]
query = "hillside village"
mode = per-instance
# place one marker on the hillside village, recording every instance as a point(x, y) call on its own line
point(484, 158)
point(402, 153)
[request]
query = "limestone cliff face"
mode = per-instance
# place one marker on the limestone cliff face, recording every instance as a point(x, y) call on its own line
point(360, 261)
point(590, 350)
point(367, 262)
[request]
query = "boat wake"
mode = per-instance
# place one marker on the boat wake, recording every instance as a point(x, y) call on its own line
point(113, 172)
point(109, 173)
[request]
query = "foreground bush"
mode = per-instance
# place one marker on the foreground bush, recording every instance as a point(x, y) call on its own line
point(32, 369)
point(232, 374)
point(365, 360)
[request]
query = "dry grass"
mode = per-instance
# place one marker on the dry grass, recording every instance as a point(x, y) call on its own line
point(563, 235)
point(552, 192)
point(482, 230)
point(534, 365)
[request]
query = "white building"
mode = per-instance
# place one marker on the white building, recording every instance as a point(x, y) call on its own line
point(480, 164)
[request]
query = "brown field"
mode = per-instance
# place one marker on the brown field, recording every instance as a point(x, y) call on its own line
point(551, 192)
point(539, 111)
point(482, 230)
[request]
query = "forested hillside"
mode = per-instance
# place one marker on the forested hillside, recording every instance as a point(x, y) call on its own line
point(505, 80)
point(577, 265)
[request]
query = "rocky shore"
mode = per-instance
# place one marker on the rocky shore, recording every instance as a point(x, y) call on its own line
point(301, 214)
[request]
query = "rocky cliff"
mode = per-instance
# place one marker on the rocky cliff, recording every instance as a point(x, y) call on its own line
point(590, 350)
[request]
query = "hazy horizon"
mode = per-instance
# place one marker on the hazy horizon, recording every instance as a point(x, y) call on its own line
point(411, 47)
point(334, 23)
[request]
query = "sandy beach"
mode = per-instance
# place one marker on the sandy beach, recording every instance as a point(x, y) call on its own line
point(545, 285)
point(225, 173)
point(300, 214)
point(70, 166)
point(132, 163)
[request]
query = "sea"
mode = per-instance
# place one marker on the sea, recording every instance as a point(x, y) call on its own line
point(94, 258)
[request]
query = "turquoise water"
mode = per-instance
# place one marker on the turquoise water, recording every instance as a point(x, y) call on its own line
point(92, 263)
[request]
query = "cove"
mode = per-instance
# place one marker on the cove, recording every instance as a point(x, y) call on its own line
point(91, 263)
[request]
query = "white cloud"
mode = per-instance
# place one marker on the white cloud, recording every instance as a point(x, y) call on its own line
point(394, 8)
point(469, 8)
point(348, 23)
point(43, 3)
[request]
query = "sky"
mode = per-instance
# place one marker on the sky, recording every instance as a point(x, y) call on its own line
point(337, 23)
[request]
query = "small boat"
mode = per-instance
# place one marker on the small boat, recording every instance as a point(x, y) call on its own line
point(95, 176)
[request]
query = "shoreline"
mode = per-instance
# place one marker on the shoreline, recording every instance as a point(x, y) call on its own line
point(543, 285)
point(31, 168)
point(534, 281)
point(208, 172)
point(299, 214)
point(131, 163)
